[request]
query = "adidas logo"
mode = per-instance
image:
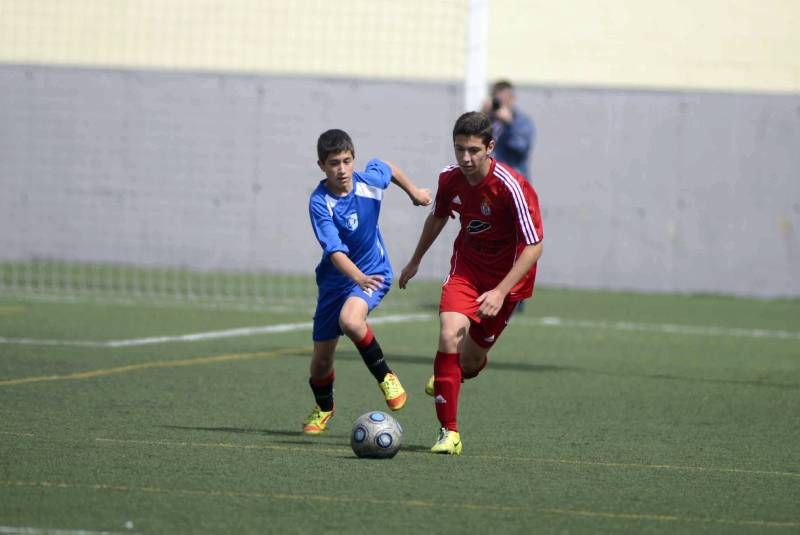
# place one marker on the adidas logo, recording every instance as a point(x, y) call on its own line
point(440, 399)
point(456, 200)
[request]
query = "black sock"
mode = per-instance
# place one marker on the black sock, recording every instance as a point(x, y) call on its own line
point(323, 393)
point(373, 358)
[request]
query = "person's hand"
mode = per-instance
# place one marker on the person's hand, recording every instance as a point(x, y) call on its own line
point(504, 114)
point(370, 282)
point(407, 274)
point(490, 303)
point(421, 197)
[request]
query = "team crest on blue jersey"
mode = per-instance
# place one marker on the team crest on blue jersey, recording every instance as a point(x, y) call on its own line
point(352, 221)
point(485, 208)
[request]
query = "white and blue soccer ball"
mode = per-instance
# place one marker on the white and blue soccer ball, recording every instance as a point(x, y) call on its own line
point(376, 435)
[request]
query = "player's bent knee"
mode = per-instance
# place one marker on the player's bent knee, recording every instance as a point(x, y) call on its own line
point(452, 334)
point(352, 327)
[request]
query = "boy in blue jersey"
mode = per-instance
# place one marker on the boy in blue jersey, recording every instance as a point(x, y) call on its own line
point(354, 274)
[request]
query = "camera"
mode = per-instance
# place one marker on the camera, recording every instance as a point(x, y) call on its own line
point(496, 104)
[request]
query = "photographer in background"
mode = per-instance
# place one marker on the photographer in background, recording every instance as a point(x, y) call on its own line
point(514, 131)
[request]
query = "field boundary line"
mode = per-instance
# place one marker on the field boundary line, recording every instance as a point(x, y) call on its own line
point(664, 328)
point(165, 302)
point(547, 321)
point(202, 336)
point(102, 487)
point(267, 495)
point(28, 530)
point(103, 372)
point(12, 310)
point(673, 518)
point(314, 447)
point(674, 467)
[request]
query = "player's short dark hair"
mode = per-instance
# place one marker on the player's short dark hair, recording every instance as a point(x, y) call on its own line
point(474, 123)
point(334, 141)
point(500, 85)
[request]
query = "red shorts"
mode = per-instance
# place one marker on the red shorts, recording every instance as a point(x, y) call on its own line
point(459, 295)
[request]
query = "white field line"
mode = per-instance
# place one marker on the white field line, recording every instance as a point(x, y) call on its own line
point(550, 321)
point(210, 335)
point(154, 302)
point(22, 530)
point(665, 328)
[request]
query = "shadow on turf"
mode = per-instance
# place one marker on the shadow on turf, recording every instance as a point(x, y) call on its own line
point(493, 364)
point(238, 430)
point(539, 368)
point(281, 433)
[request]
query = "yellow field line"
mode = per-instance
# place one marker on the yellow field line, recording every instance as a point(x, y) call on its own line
point(673, 518)
point(268, 495)
point(400, 503)
point(91, 374)
point(642, 465)
point(317, 448)
point(11, 310)
point(224, 445)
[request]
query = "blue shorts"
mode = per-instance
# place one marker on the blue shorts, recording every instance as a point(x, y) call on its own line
point(329, 306)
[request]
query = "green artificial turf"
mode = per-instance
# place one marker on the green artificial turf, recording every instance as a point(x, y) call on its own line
point(598, 413)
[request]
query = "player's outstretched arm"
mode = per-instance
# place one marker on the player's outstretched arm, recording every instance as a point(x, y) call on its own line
point(418, 196)
point(492, 301)
point(430, 231)
point(350, 270)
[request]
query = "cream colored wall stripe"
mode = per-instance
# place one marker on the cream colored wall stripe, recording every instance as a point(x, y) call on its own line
point(692, 44)
point(371, 38)
point(749, 45)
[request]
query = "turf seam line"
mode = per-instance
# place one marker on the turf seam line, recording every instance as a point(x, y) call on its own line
point(664, 328)
point(673, 518)
point(549, 321)
point(395, 503)
point(27, 530)
point(312, 447)
point(91, 374)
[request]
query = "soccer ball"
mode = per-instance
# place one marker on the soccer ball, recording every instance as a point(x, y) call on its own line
point(376, 435)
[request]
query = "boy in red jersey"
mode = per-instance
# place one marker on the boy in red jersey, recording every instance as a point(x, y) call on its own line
point(492, 268)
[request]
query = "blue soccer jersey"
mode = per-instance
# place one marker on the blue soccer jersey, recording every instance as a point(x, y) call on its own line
point(350, 224)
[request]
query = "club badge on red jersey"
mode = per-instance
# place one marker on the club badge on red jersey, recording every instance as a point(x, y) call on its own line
point(485, 208)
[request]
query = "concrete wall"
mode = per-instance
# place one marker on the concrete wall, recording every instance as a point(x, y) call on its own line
point(657, 191)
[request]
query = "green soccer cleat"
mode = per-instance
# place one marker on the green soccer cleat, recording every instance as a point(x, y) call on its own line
point(393, 392)
point(317, 421)
point(429, 386)
point(449, 442)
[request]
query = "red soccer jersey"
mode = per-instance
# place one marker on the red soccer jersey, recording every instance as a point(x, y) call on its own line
point(498, 217)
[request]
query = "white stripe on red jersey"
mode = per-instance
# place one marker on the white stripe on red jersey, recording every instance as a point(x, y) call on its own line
point(523, 214)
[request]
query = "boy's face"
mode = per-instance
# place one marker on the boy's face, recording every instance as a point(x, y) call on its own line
point(472, 156)
point(338, 169)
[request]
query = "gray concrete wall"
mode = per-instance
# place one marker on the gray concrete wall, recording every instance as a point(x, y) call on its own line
point(689, 192)
point(645, 191)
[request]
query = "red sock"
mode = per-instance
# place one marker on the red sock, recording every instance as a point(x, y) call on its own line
point(367, 340)
point(325, 381)
point(446, 386)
